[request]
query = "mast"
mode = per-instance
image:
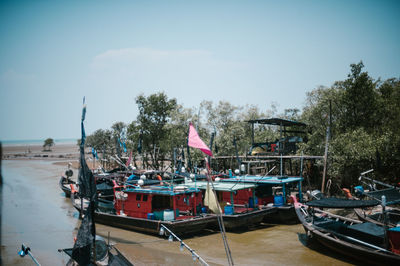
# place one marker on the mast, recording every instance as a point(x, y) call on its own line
point(86, 238)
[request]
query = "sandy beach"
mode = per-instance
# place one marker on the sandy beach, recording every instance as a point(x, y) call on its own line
point(60, 154)
point(35, 212)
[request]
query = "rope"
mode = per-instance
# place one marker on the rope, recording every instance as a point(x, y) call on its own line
point(328, 185)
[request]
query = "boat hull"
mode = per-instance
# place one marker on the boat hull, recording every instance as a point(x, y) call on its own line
point(186, 226)
point(356, 251)
point(179, 227)
point(244, 220)
point(64, 184)
point(284, 215)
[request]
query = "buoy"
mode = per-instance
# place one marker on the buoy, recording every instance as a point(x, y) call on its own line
point(347, 193)
point(73, 190)
point(160, 179)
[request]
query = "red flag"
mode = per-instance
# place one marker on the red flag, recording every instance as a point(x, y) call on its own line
point(195, 141)
point(129, 160)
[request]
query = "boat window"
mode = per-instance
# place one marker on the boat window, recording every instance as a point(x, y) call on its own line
point(138, 197)
point(161, 202)
point(145, 197)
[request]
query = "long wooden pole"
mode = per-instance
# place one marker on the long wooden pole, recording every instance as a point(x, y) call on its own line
point(325, 160)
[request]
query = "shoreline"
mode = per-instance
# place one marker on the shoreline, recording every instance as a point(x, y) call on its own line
point(60, 154)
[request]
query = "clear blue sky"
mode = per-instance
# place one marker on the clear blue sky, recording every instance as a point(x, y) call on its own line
point(52, 53)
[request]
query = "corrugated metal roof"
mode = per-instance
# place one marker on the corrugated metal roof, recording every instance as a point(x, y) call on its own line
point(277, 121)
point(273, 180)
point(221, 186)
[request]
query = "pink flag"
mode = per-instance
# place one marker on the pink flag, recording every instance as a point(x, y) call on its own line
point(196, 142)
point(129, 160)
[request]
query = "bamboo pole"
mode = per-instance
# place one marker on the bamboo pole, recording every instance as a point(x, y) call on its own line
point(325, 160)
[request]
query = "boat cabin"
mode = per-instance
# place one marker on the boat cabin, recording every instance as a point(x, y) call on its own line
point(269, 189)
point(233, 198)
point(158, 202)
point(290, 133)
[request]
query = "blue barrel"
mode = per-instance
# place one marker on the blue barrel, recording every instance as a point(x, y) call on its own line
point(359, 190)
point(228, 209)
point(204, 210)
point(278, 201)
point(150, 216)
point(251, 202)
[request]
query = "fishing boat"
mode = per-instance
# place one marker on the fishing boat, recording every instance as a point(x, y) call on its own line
point(273, 191)
point(106, 254)
point(90, 249)
point(104, 187)
point(238, 207)
point(65, 181)
point(145, 208)
point(375, 189)
point(367, 242)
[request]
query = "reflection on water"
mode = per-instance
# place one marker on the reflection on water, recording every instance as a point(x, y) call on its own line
point(37, 214)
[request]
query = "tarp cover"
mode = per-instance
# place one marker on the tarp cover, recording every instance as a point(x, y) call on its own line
point(103, 187)
point(341, 203)
point(392, 195)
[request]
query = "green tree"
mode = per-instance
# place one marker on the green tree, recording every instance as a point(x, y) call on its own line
point(365, 126)
point(118, 133)
point(154, 113)
point(101, 141)
point(48, 143)
point(359, 99)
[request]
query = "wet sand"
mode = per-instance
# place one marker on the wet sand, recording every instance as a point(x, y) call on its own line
point(35, 212)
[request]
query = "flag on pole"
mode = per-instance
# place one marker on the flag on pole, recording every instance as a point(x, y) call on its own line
point(94, 153)
point(195, 141)
point(124, 145)
point(211, 201)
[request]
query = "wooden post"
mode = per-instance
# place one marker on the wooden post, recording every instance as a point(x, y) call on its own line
point(325, 160)
point(252, 134)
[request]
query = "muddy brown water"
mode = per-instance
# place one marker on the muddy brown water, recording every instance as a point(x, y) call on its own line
point(35, 212)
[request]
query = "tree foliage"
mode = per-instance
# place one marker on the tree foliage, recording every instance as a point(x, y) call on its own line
point(364, 119)
point(154, 114)
point(48, 143)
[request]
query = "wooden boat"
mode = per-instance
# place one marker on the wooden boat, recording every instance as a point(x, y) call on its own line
point(239, 209)
point(65, 185)
point(146, 208)
point(105, 254)
point(90, 249)
point(375, 215)
point(104, 187)
point(376, 191)
point(273, 191)
point(360, 240)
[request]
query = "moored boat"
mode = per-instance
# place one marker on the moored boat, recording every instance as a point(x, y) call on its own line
point(376, 190)
point(362, 241)
point(65, 185)
point(106, 254)
point(146, 208)
point(237, 202)
point(273, 191)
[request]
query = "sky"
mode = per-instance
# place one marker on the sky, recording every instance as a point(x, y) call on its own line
point(53, 53)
